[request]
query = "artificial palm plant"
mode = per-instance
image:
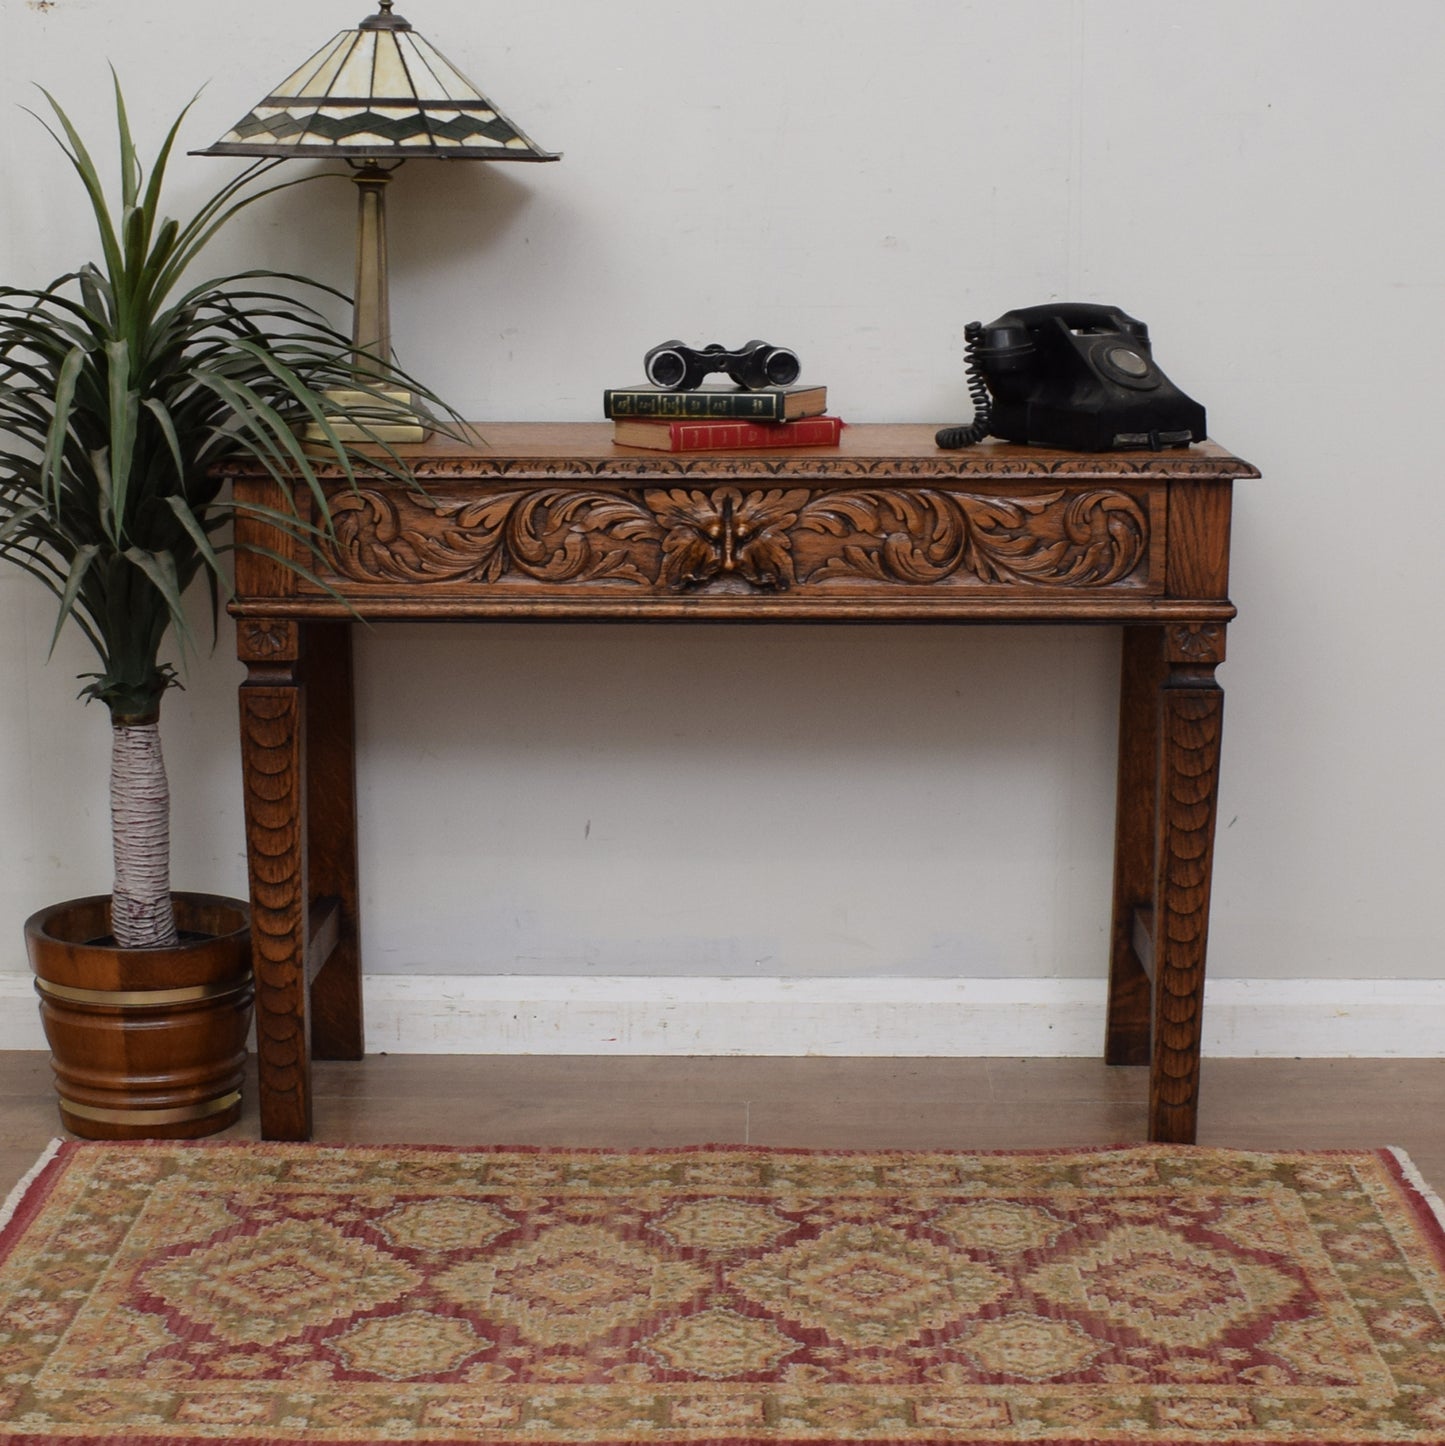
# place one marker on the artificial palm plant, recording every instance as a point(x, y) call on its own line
point(123, 386)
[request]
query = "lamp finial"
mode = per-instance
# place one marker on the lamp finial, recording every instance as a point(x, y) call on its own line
point(384, 19)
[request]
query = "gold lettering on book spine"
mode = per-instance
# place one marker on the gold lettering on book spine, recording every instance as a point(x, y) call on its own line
point(679, 539)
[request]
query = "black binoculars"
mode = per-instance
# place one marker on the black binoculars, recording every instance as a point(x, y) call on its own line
point(753, 365)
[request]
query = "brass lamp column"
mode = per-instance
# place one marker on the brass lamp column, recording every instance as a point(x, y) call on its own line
point(371, 328)
point(376, 96)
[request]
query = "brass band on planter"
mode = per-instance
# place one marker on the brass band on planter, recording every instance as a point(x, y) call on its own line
point(176, 1116)
point(132, 998)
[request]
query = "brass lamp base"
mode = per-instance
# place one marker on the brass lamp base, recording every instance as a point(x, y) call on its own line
point(372, 325)
point(404, 429)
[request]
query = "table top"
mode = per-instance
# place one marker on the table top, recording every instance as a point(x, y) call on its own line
point(901, 450)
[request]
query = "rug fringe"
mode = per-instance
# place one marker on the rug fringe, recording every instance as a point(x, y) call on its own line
point(13, 1199)
point(1419, 1184)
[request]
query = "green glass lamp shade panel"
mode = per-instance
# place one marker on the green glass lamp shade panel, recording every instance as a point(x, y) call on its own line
point(378, 92)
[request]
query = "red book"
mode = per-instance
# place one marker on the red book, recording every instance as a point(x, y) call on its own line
point(702, 436)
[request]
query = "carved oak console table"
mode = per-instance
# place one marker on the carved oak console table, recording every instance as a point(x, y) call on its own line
point(556, 522)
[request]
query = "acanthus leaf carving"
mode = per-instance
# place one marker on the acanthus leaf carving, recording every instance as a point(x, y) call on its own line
point(552, 534)
point(922, 535)
point(913, 535)
point(688, 538)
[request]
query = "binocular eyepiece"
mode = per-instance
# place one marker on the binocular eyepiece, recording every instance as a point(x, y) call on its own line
point(754, 365)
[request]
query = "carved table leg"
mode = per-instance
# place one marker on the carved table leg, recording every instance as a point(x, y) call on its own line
point(336, 1006)
point(272, 732)
point(1136, 841)
point(1191, 722)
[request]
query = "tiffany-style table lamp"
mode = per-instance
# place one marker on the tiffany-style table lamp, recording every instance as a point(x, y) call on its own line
point(377, 96)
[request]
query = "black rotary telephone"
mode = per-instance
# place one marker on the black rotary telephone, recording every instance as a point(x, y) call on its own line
point(1073, 375)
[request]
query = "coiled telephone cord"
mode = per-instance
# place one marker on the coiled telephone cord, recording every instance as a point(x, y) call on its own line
point(951, 438)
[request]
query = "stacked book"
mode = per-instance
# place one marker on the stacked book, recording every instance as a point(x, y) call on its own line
point(715, 417)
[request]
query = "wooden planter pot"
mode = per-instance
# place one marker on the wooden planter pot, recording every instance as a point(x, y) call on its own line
point(145, 1042)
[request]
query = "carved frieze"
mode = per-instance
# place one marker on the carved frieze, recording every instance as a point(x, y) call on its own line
point(603, 464)
point(766, 539)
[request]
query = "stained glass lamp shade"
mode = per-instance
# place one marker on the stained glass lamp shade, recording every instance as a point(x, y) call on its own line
point(376, 96)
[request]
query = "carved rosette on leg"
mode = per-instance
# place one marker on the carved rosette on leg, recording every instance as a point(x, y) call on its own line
point(671, 540)
point(271, 740)
point(1192, 716)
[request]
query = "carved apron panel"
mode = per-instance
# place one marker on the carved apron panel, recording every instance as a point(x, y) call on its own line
point(674, 540)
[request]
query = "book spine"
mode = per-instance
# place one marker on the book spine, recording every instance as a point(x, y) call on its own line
point(808, 432)
point(758, 406)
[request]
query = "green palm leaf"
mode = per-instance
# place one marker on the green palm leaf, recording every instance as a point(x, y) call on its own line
point(125, 386)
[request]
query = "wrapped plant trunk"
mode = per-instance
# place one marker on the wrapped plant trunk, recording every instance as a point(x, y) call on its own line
point(142, 916)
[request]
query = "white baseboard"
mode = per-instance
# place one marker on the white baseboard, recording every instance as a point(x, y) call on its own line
point(621, 1015)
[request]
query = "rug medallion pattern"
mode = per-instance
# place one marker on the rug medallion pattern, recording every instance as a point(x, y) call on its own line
point(277, 1293)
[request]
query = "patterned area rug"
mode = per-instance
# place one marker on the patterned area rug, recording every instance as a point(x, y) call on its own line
point(159, 1293)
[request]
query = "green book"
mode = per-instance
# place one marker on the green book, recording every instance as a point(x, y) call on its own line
point(768, 404)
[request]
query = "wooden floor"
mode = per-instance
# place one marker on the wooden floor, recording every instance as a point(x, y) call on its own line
point(827, 1103)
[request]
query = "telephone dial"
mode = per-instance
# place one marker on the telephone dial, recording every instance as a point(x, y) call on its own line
point(1074, 375)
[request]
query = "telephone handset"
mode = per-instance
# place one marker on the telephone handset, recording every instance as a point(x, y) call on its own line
point(1072, 375)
